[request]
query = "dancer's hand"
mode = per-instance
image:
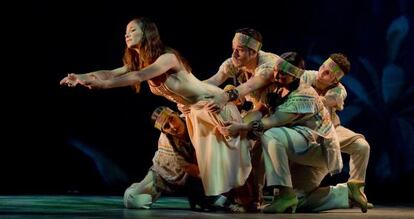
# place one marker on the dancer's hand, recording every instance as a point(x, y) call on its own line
point(93, 82)
point(184, 109)
point(215, 104)
point(231, 128)
point(71, 80)
point(212, 107)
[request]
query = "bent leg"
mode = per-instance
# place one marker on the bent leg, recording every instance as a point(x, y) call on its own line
point(358, 148)
point(142, 194)
point(359, 157)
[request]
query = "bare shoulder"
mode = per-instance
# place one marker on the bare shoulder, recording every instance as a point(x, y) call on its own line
point(169, 57)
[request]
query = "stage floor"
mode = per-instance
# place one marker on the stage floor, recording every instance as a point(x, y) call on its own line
point(30, 207)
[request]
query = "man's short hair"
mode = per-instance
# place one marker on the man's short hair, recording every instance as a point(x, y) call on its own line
point(252, 33)
point(342, 61)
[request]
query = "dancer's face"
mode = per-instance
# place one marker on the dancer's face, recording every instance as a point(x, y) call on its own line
point(133, 34)
point(282, 79)
point(241, 55)
point(174, 125)
point(325, 76)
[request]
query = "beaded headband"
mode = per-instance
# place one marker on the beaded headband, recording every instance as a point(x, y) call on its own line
point(334, 68)
point(247, 41)
point(288, 68)
point(162, 118)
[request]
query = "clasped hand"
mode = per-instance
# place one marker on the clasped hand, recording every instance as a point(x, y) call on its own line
point(230, 128)
point(217, 103)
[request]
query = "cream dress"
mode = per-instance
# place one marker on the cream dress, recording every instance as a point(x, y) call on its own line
point(224, 163)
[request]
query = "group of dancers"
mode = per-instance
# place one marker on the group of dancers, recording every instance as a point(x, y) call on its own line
point(221, 153)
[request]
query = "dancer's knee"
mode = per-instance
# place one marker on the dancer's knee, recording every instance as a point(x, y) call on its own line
point(362, 146)
point(274, 140)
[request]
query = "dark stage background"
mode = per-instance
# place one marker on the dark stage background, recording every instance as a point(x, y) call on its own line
point(59, 140)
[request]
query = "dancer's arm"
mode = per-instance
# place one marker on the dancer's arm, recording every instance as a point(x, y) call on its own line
point(254, 83)
point(275, 120)
point(225, 71)
point(163, 63)
point(278, 119)
point(218, 79)
point(73, 79)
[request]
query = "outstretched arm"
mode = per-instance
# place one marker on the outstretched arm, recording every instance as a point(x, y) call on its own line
point(255, 83)
point(218, 79)
point(278, 119)
point(72, 79)
point(259, 81)
point(164, 63)
point(225, 71)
